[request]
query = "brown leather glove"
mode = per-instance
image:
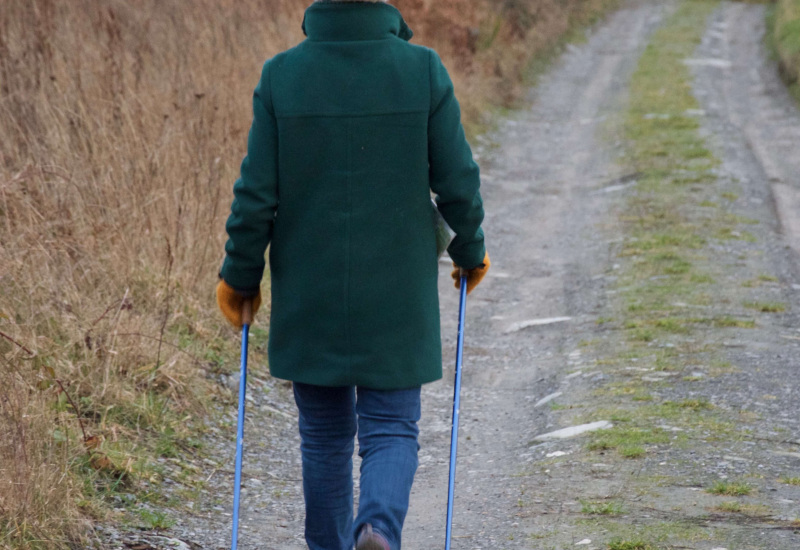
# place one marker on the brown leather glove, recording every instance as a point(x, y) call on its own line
point(230, 303)
point(474, 275)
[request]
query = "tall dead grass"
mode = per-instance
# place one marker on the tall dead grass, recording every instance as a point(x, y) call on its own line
point(122, 125)
point(121, 129)
point(37, 489)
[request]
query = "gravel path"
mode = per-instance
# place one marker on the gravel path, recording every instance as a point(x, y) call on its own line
point(756, 106)
point(554, 190)
point(546, 180)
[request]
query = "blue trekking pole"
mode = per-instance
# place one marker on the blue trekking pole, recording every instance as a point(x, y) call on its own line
point(247, 318)
point(451, 486)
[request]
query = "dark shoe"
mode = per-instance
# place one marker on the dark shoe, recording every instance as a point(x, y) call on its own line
point(370, 540)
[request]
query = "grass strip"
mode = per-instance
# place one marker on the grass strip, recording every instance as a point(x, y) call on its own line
point(665, 278)
point(677, 292)
point(665, 238)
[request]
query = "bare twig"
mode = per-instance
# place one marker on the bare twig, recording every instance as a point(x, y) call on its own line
point(201, 265)
point(109, 308)
point(77, 415)
point(170, 344)
point(166, 307)
point(214, 471)
point(124, 304)
point(20, 428)
point(118, 304)
point(10, 339)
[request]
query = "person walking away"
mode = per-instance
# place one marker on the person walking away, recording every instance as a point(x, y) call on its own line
point(352, 130)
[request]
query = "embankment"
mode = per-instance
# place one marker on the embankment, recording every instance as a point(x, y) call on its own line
point(787, 42)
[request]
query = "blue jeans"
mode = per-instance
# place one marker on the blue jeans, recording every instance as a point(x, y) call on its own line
point(386, 423)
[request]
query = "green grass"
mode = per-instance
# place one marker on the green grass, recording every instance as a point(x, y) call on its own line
point(766, 307)
point(628, 441)
point(752, 510)
point(658, 535)
point(731, 506)
point(609, 508)
point(634, 421)
point(790, 480)
point(730, 488)
point(732, 322)
point(154, 520)
point(692, 404)
point(636, 544)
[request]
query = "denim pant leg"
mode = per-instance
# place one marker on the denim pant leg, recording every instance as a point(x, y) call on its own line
point(387, 441)
point(327, 424)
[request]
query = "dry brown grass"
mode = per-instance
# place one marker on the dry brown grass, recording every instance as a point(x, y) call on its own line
point(122, 125)
point(36, 485)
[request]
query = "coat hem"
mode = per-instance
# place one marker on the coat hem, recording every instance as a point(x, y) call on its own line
point(338, 382)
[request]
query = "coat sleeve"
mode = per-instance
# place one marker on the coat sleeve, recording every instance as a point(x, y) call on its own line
point(454, 175)
point(255, 200)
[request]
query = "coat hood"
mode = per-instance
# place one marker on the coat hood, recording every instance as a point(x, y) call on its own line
point(348, 21)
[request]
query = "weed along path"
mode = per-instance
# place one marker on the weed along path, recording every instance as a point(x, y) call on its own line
point(644, 292)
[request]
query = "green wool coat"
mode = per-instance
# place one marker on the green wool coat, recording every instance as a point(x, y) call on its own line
point(352, 130)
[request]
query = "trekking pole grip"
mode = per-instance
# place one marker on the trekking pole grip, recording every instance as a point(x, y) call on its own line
point(247, 311)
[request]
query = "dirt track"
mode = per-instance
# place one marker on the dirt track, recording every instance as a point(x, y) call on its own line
point(550, 241)
point(554, 189)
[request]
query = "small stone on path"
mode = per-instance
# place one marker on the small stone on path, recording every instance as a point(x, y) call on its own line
point(615, 188)
point(708, 62)
point(546, 399)
point(535, 323)
point(584, 542)
point(573, 431)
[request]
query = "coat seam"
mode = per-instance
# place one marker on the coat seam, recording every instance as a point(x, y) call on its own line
point(271, 106)
point(430, 84)
point(354, 40)
point(352, 115)
point(348, 246)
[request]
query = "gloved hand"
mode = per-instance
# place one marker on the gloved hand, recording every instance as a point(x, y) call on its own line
point(474, 275)
point(230, 303)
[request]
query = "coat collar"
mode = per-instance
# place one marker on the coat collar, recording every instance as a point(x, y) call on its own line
point(348, 21)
